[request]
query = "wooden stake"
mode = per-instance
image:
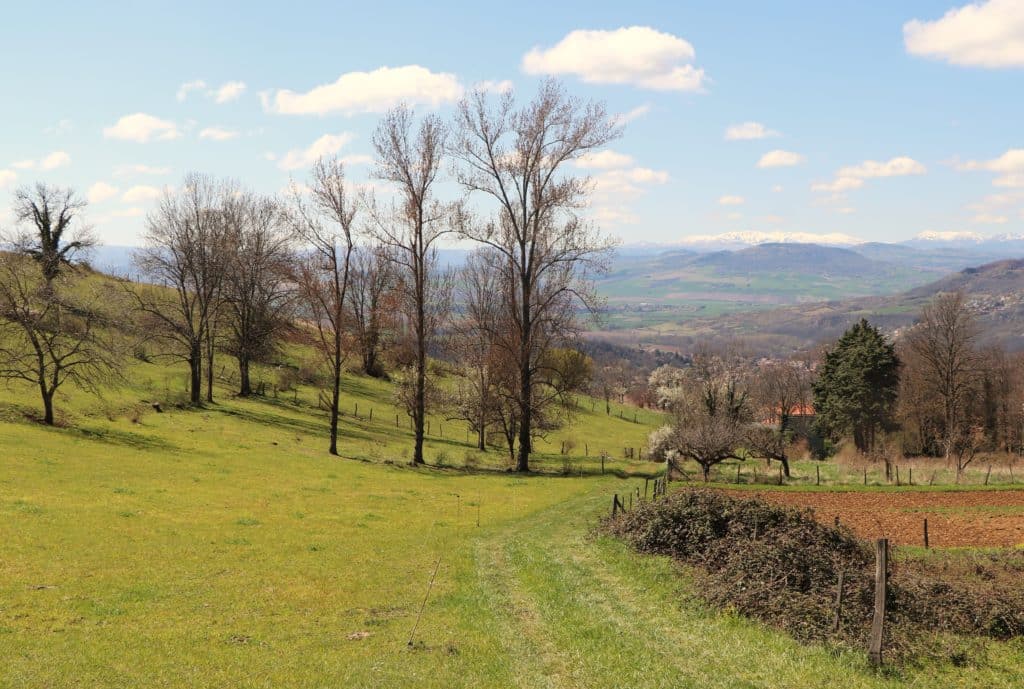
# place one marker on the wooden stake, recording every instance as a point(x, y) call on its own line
point(926, 533)
point(881, 584)
point(839, 602)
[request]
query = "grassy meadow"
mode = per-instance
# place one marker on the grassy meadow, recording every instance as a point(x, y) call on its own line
point(224, 547)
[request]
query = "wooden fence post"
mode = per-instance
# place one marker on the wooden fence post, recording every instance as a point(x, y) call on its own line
point(988, 473)
point(865, 476)
point(817, 471)
point(897, 474)
point(911, 479)
point(615, 504)
point(881, 586)
point(926, 533)
point(839, 602)
point(737, 473)
point(646, 480)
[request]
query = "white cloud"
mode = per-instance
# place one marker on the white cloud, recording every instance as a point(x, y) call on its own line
point(217, 134)
point(747, 131)
point(625, 183)
point(50, 162)
point(619, 182)
point(780, 158)
point(634, 114)
point(503, 86)
point(188, 87)
point(228, 92)
point(603, 160)
point(637, 55)
point(141, 128)
point(375, 91)
point(990, 219)
point(729, 200)
point(100, 192)
point(846, 210)
point(141, 192)
point(895, 167)
point(984, 34)
point(7, 178)
point(55, 160)
point(838, 185)
point(139, 169)
point(1010, 167)
point(326, 145)
point(778, 188)
point(853, 176)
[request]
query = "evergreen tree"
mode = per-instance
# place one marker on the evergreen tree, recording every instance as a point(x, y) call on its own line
point(855, 393)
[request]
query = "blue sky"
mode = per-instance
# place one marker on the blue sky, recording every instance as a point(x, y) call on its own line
point(879, 120)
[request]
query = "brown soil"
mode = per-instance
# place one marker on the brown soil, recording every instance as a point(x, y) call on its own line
point(989, 518)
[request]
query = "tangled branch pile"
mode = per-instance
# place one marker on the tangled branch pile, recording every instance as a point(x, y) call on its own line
point(781, 566)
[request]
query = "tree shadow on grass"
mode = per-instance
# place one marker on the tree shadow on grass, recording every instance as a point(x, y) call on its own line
point(290, 423)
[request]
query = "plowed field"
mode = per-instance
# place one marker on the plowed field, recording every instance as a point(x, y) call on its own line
point(955, 518)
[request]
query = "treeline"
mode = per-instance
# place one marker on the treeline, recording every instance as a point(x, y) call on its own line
point(934, 390)
point(224, 271)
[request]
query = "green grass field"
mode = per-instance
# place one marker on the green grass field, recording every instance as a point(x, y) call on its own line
point(224, 547)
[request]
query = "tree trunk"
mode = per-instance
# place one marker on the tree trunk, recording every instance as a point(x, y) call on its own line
point(245, 386)
point(195, 364)
point(47, 406)
point(785, 465)
point(706, 470)
point(523, 459)
point(335, 403)
point(209, 368)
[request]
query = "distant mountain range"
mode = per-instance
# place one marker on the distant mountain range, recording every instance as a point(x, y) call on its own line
point(648, 288)
point(731, 241)
point(994, 291)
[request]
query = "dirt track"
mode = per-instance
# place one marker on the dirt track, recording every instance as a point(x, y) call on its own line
point(955, 518)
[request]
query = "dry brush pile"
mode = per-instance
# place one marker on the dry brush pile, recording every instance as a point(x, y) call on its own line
point(781, 566)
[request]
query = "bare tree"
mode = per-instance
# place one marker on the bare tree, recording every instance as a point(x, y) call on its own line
point(520, 160)
point(477, 396)
point(372, 303)
point(326, 224)
point(258, 291)
point(55, 237)
point(185, 258)
point(409, 156)
point(781, 389)
point(945, 344)
point(769, 442)
point(705, 436)
point(54, 330)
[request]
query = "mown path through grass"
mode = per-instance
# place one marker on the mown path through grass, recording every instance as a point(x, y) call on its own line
point(585, 612)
